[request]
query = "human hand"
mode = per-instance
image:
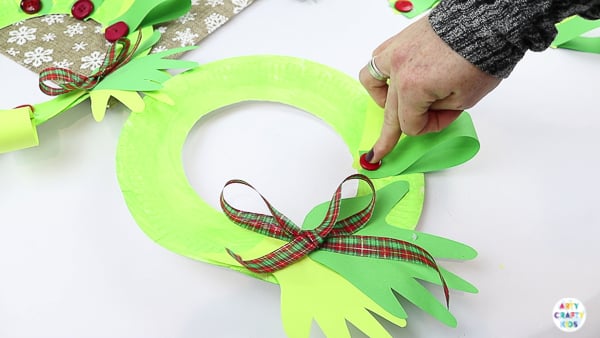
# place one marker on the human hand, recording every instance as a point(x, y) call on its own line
point(429, 85)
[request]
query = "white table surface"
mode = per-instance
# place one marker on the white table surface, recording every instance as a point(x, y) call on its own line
point(73, 262)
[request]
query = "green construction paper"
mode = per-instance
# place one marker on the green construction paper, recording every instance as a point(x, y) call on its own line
point(583, 44)
point(452, 146)
point(49, 109)
point(151, 12)
point(17, 130)
point(570, 31)
point(393, 276)
point(309, 291)
point(145, 73)
point(109, 10)
point(149, 164)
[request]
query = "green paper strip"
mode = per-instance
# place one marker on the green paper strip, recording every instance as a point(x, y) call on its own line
point(452, 146)
point(17, 130)
point(570, 31)
point(393, 276)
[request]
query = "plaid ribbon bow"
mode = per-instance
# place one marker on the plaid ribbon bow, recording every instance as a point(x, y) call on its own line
point(66, 80)
point(331, 235)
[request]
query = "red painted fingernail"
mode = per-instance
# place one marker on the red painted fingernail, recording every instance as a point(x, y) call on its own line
point(365, 161)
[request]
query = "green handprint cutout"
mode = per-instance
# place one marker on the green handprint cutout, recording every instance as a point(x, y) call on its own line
point(382, 279)
point(311, 291)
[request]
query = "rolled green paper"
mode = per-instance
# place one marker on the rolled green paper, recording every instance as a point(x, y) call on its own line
point(17, 130)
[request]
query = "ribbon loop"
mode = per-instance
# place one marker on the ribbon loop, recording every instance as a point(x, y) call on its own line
point(55, 81)
point(331, 235)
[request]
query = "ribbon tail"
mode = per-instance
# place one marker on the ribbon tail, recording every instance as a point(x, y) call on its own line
point(385, 248)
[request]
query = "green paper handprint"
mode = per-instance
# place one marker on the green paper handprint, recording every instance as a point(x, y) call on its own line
point(311, 291)
point(381, 279)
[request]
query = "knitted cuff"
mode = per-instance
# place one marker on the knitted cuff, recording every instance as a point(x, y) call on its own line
point(492, 35)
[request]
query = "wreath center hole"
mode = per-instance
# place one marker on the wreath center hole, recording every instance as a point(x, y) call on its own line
point(293, 158)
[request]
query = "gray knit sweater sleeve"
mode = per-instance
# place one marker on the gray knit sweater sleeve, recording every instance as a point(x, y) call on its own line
point(495, 34)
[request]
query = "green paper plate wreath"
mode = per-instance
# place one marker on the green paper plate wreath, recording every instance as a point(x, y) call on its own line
point(326, 287)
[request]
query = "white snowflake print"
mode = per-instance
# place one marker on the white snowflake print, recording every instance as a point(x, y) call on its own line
point(214, 21)
point(98, 29)
point(92, 61)
point(187, 17)
point(48, 37)
point(159, 49)
point(12, 52)
point(62, 64)
point(79, 46)
point(19, 23)
point(186, 38)
point(38, 56)
point(214, 3)
point(53, 18)
point(195, 2)
point(22, 35)
point(239, 5)
point(162, 29)
point(76, 29)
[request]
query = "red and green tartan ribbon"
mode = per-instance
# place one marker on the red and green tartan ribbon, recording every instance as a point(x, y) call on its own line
point(65, 80)
point(331, 235)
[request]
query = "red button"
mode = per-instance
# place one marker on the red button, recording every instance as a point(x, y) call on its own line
point(31, 6)
point(403, 6)
point(82, 9)
point(116, 31)
point(368, 165)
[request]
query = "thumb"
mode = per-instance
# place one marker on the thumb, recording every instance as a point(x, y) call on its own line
point(430, 121)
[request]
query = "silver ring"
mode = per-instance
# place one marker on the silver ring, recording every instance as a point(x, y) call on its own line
point(375, 72)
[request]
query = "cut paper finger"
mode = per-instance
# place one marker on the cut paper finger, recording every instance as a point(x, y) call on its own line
point(450, 147)
point(99, 101)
